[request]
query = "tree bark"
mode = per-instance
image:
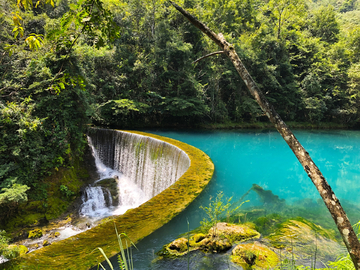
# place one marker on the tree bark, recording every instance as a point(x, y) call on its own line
point(208, 55)
point(331, 201)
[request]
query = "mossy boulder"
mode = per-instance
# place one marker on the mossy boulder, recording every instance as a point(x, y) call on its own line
point(219, 239)
point(178, 247)
point(254, 256)
point(216, 244)
point(46, 243)
point(36, 233)
point(110, 184)
point(198, 237)
point(304, 238)
point(22, 250)
point(234, 232)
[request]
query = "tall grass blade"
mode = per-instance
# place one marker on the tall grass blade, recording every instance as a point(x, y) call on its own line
point(106, 258)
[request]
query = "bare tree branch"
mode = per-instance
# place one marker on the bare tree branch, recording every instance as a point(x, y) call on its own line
point(208, 55)
point(331, 201)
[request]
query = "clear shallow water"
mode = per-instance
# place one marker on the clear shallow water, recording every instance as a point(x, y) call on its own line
point(243, 158)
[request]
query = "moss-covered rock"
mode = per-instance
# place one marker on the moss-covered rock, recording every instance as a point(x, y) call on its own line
point(254, 256)
point(234, 232)
point(198, 237)
point(178, 247)
point(219, 239)
point(37, 233)
point(23, 250)
point(46, 243)
point(304, 238)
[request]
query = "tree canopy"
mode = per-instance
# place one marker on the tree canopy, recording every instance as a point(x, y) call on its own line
point(129, 63)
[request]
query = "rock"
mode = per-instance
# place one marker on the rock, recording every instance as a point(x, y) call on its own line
point(254, 256)
point(304, 238)
point(23, 250)
point(56, 234)
point(219, 239)
point(36, 233)
point(34, 246)
point(214, 244)
point(46, 243)
point(110, 184)
point(178, 247)
point(198, 237)
point(234, 232)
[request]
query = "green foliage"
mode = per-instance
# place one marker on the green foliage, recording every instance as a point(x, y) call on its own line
point(66, 192)
point(125, 257)
point(65, 65)
point(15, 194)
point(4, 243)
point(217, 209)
point(324, 24)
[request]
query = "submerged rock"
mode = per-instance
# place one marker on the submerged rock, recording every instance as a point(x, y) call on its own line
point(254, 256)
point(305, 240)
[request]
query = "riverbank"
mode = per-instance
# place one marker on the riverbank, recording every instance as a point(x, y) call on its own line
point(268, 125)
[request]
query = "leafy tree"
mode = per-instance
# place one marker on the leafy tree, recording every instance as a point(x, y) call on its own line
point(323, 24)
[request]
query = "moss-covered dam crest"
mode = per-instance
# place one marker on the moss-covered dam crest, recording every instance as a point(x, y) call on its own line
point(77, 252)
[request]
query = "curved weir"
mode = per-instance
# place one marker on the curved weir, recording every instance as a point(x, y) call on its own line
point(152, 164)
point(79, 251)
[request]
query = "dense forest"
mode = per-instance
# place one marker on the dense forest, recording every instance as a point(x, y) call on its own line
point(129, 63)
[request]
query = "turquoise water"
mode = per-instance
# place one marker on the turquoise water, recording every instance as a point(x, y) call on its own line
point(243, 158)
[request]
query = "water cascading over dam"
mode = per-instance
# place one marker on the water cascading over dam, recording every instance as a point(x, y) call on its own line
point(144, 166)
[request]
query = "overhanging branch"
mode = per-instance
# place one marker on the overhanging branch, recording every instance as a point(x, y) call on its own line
point(208, 55)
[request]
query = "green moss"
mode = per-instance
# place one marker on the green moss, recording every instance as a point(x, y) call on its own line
point(22, 250)
point(35, 212)
point(302, 237)
point(198, 237)
point(254, 256)
point(37, 233)
point(23, 220)
point(235, 232)
point(77, 252)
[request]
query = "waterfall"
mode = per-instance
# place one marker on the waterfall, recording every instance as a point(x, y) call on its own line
point(144, 167)
point(94, 202)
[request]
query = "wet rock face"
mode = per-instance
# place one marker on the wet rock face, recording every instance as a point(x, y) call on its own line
point(254, 256)
point(110, 184)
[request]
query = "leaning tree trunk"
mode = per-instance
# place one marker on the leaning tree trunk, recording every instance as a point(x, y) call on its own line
point(331, 201)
